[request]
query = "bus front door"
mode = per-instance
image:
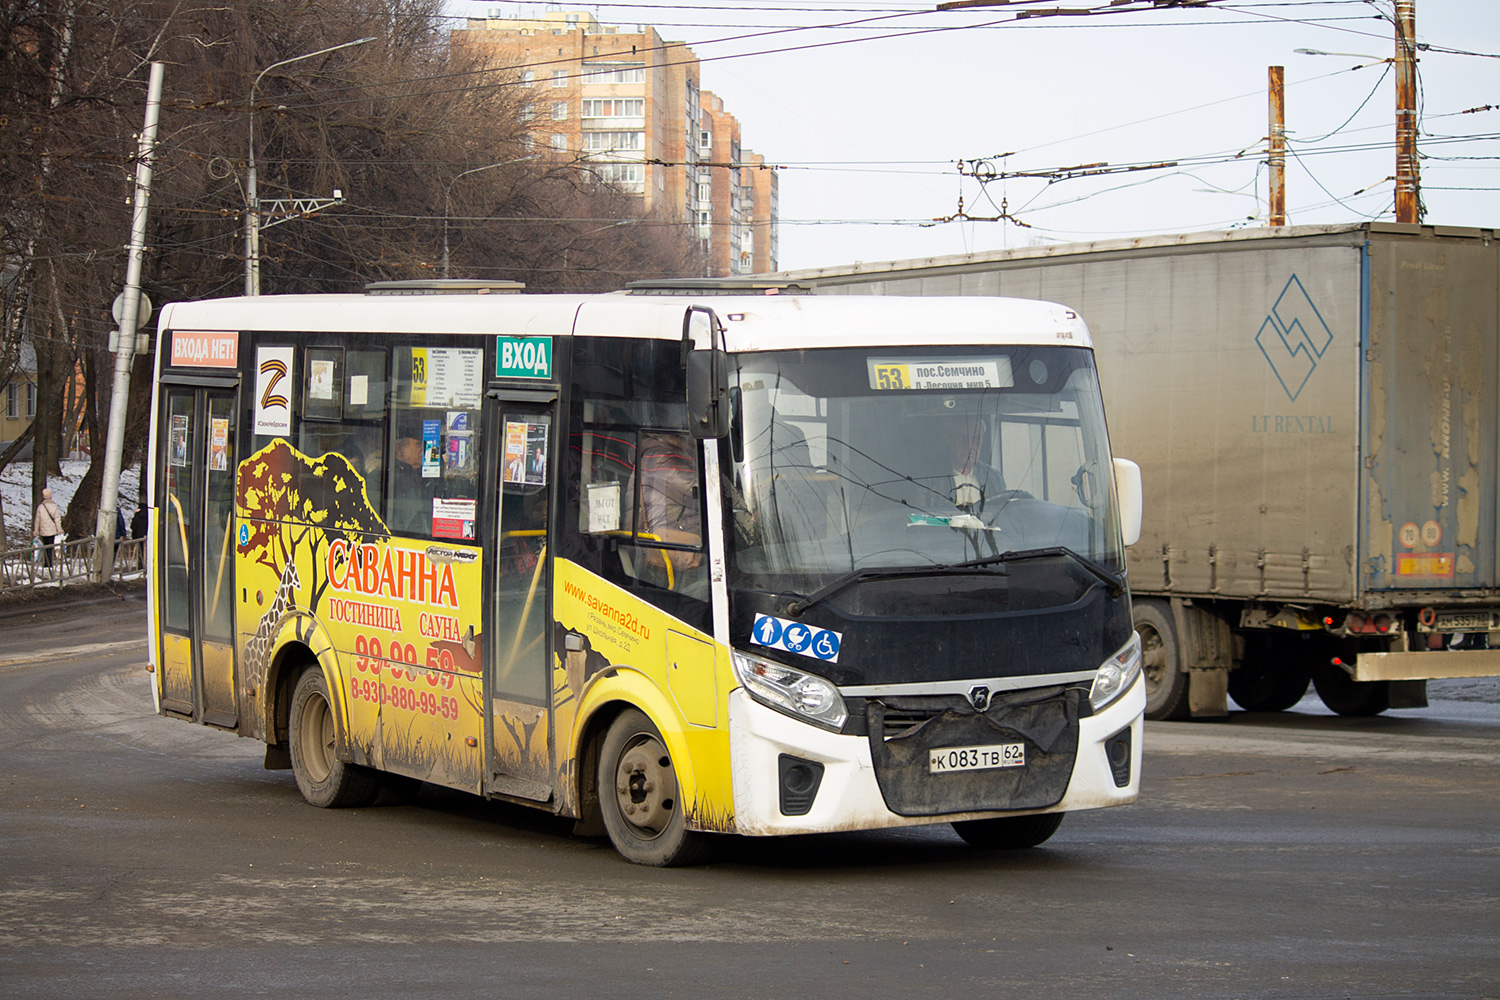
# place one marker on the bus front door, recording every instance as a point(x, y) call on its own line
point(195, 486)
point(519, 641)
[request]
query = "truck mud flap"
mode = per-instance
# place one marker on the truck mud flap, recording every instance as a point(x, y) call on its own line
point(1044, 720)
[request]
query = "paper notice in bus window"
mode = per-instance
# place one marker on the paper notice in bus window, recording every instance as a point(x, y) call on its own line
point(460, 443)
point(602, 508)
point(218, 444)
point(536, 453)
point(359, 390)
point(178, 445)
point(949, 374)
point(273, 385)
point(320, 378)
point(514, 460)
point(453, 518)
point(432, 450)
point(455, 377)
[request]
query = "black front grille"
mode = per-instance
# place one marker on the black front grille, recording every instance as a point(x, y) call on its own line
point(902, 731)
point(899, 721)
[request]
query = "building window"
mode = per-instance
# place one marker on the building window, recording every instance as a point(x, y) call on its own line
point(597, 74)
point(705, 140)
point(30, 400)
point(559, 78)
point(560, 142)
point(559, 111)
point(622, 173)
point(614, 107)
point(12, 401)
point(611, 141)
point(528, 78)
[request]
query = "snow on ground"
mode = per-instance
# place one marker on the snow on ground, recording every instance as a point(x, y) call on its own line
point(15, 490)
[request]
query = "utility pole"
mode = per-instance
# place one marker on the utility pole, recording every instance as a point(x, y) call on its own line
point(109, 486)
point(1277, 159)
point(252, 198)
point(1408, 182)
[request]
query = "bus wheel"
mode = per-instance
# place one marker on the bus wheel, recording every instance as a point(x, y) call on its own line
point(1347, 696)
point(1011, 833)
point(323, 779)
point(1166, 682)
point(638, 796)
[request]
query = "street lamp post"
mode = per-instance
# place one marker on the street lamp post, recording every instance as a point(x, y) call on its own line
point(252, 202)
point(447, 191)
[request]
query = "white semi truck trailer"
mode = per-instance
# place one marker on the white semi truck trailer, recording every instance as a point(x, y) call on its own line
point(1316, 414)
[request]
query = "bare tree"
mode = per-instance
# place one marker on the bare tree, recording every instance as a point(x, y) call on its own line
point(391, 124)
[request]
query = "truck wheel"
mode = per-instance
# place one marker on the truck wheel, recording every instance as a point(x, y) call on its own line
point(1346, 696)
point(1166, 682)
point(323, 779)
point(639, 797)
point(1010, 833)
point(1260, 684)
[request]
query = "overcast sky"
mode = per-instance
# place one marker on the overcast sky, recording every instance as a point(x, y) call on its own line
point(867, 132)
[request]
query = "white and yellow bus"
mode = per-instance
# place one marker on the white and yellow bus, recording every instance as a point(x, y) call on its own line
point(673, 565)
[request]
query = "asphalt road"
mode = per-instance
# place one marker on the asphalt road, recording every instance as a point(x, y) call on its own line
point(1298, 855)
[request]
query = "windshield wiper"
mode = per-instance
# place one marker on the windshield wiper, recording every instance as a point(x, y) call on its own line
point(1115, 582)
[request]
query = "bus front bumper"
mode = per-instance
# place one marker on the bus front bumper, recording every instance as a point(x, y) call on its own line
point(848, 795)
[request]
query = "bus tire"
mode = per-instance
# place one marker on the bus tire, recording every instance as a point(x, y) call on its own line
point(639, 800)
point(1347, 696)
point(324, 780)
point(1009, 833)
point(1166, 681)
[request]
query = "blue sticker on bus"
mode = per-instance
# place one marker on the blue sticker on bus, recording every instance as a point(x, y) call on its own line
point(795, 637)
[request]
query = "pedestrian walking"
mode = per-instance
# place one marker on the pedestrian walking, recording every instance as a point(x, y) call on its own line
point(47, 525)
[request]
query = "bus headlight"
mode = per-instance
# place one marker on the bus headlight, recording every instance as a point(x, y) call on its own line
point(1116, 674)
point(802, 696)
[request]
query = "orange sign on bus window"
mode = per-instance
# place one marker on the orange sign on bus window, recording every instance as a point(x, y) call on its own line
point(205, 350)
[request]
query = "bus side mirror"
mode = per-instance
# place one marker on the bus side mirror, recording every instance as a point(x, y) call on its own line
point(708, 393)
point(707, 374)
point(1128, 490)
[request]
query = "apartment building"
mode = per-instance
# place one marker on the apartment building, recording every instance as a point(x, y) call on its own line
point(629, 107)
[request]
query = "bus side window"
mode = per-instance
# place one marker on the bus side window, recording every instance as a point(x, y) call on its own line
point(338, 421)
point(635, 514)
point(432, 485)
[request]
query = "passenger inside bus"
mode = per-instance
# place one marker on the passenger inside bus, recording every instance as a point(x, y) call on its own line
point(671, 512)
point(411, 493)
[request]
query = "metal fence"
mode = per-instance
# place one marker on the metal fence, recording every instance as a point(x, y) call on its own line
point(69, 562)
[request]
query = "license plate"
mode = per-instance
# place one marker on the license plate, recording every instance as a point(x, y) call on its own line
point(941, 760)
point(1458, 621)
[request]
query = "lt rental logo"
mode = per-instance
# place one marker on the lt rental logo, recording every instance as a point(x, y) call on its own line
point(1294, 337)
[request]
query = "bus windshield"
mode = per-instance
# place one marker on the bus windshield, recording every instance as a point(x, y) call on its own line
point(849, 460)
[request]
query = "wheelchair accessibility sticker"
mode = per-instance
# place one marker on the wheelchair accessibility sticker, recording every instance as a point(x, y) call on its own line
point(795, 637)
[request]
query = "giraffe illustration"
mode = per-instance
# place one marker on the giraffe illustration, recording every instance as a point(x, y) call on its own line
point(258, 649)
